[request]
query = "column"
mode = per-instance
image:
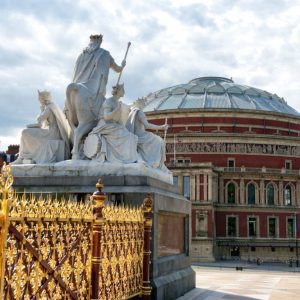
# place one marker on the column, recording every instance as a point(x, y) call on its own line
point(210, 187)
point(193, 187)
point(221, 190)
point(242, 191)
point(262, 192)
point(205, 187)
point(280, 191)
point(298, 193)
point(197, 196)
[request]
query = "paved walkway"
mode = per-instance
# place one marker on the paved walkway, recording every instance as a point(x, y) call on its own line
point(267, 282)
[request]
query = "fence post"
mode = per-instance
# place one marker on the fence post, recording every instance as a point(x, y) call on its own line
point(97, 199)
point(148, 214)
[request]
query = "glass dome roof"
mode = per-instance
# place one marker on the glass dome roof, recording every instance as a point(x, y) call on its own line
point(215, 92)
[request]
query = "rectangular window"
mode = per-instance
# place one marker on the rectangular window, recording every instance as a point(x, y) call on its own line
point(288, 165)
point(231, 163)
point(290, 228)
point(231, 226)
point(272, 227)
point(252, 227)
point(186, 186)
point(175, 180)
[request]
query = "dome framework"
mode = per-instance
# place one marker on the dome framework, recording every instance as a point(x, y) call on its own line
point(216, 92)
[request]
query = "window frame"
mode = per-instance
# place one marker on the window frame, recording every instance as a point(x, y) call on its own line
point(256, 226)
point(236, 225)
point(267, 195)
point(291, 195)
point(255, 193)
point(293, 227)
point(235, 192)
point(276, 227)
point(188, 186)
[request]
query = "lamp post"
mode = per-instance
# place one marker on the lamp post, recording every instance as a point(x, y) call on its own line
point(297, 257)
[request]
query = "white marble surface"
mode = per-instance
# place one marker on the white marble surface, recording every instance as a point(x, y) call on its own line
point(89, 168)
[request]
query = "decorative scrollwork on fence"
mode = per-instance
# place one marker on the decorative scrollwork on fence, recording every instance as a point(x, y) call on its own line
point(47, 247)
point(51, 248)
point(121, 253)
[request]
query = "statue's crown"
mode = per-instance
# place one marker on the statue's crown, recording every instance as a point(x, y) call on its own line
point(44, 94)
point(96, 37)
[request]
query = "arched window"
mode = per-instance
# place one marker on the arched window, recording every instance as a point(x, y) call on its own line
point(270, 194)
point(231, 193)
point(251, 193)
point(288, 195)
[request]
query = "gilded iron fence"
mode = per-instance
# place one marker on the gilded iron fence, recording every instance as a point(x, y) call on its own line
point(47, 247)
point(58, 249)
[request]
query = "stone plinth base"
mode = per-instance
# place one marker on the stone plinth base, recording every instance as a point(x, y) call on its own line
point(171, 275)
point(89, 168)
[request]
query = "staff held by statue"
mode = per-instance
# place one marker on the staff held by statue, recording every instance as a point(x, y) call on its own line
point(120, 74)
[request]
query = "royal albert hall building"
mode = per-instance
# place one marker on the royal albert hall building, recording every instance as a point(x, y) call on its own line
point(234, 151)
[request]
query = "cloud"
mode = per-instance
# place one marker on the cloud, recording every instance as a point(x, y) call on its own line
point(255, 42)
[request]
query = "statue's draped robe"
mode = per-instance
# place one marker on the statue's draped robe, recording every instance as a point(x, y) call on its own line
point(151, 147)
point(118, 145)
point(91, 74)
point(34, 141)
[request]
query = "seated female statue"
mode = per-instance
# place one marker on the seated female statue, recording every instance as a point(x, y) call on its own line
point(47, 140)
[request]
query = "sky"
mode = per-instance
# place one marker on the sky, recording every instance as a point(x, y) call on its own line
point(256, 42)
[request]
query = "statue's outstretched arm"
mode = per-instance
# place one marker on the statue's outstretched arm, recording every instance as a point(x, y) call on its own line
point(148, 125)
point(115, 67)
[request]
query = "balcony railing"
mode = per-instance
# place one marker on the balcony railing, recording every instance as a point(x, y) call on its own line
point(258, 170)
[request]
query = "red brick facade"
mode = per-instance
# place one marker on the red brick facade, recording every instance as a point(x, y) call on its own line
point(259, 153)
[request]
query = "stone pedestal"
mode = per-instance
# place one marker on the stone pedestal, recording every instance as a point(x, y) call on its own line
point(171, 274)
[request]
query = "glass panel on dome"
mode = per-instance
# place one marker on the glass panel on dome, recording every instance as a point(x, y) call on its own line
point(261, 103)
point(194, 101)
point(172, 102)
point(153, 104)
point(178, 91)
point(233, 89)
point(241, 102)
point(216, 88)
point(217, 101)
point(197, 89)
point(252, 92)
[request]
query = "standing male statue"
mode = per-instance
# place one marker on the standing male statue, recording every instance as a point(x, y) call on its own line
point(85, 95)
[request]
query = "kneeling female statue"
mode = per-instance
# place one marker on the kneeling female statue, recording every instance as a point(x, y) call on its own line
point(115, 144)
point(47, 140)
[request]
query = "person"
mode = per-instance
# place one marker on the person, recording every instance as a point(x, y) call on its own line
point(86, 94)
point(47, 140)
point(151, 147)
point(117, 143)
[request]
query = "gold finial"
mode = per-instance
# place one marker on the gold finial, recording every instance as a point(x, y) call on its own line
point(148, 203)
point(99, 185)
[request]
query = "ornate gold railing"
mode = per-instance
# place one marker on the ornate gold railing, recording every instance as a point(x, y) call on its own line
point(51, 248)
point(47, 249)
point(120, 265)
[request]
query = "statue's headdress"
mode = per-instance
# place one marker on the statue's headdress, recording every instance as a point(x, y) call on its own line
point(45, 95)
point(96, 37)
